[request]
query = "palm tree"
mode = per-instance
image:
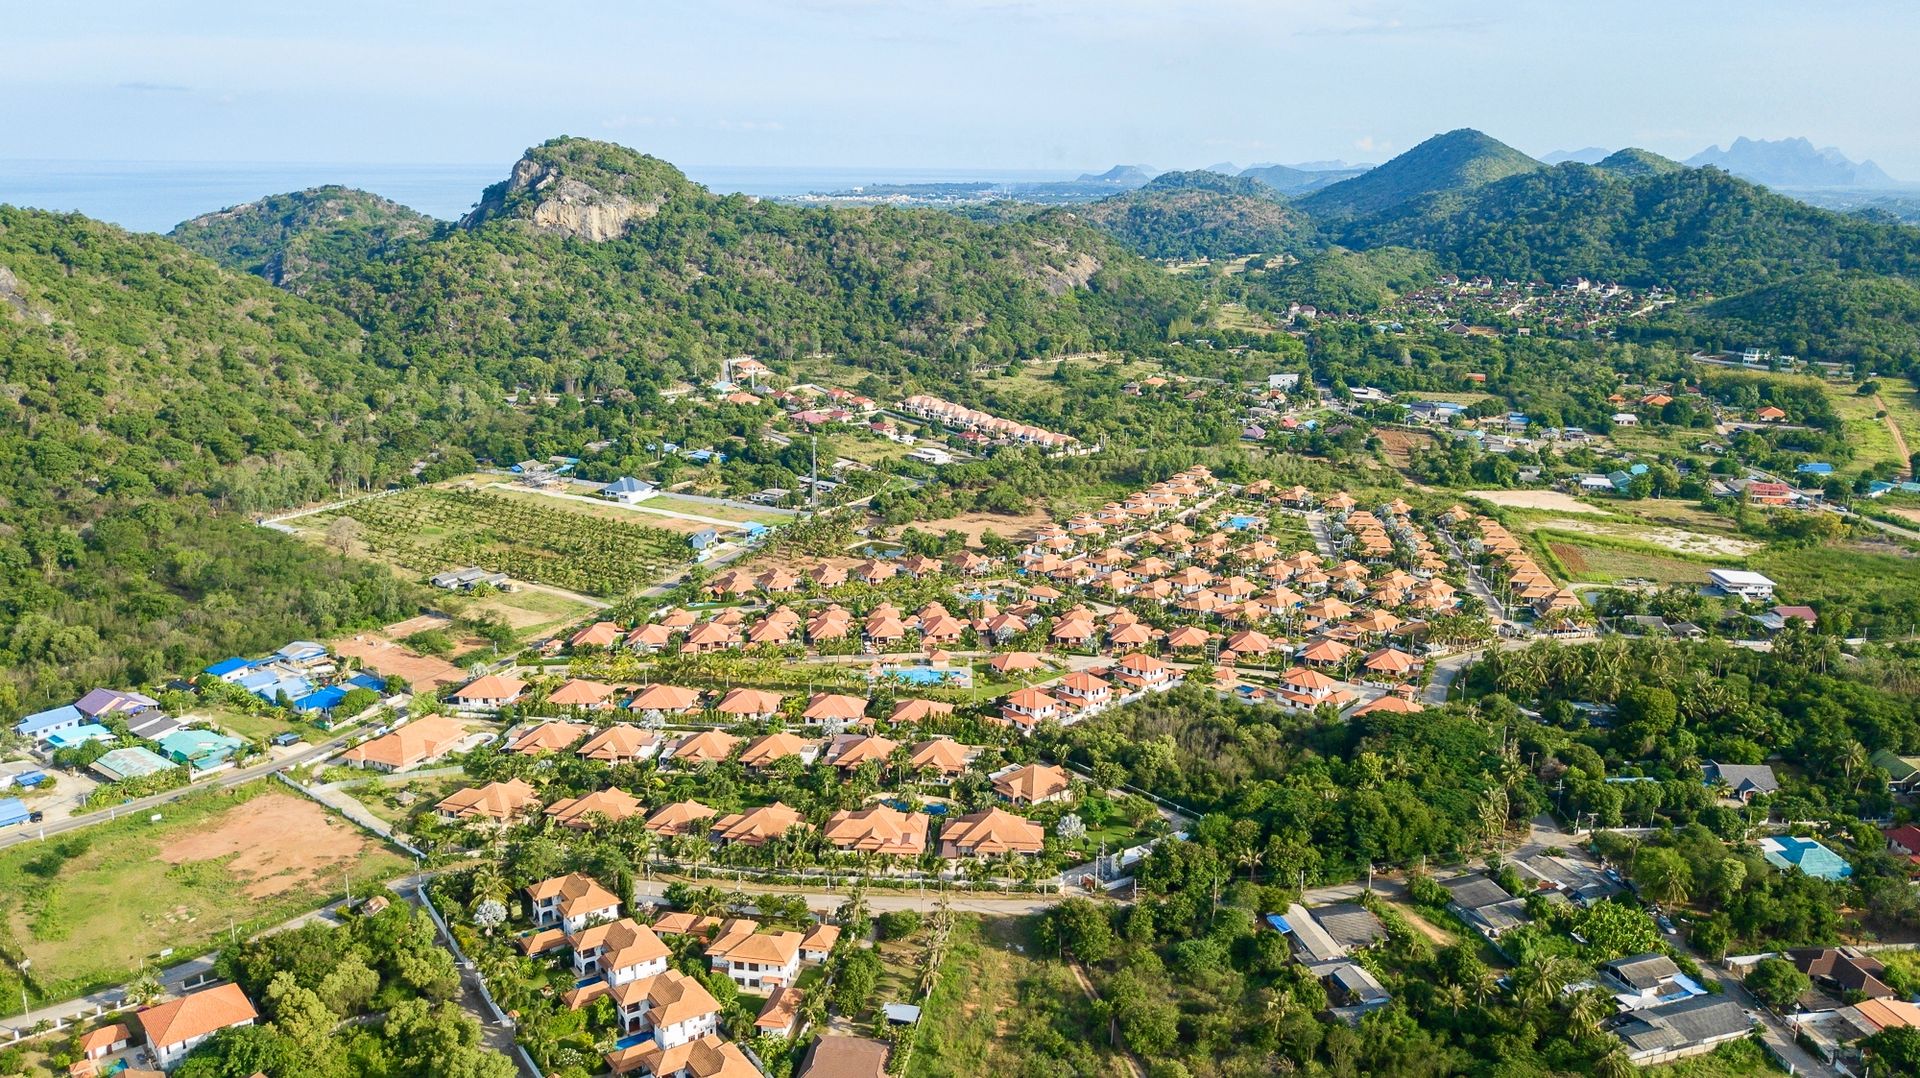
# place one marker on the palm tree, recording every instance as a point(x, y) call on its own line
point(1586, 1011)
point(1538, 981)
point(1453, 997)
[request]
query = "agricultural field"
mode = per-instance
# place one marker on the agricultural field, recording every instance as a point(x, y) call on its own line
point(432, 529)
point(217, 863)
point(992, 998)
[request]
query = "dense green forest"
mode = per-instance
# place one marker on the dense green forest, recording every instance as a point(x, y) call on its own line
point(1202, 214)
point(1693, 229)
point(293, 238)
point(1455, 161)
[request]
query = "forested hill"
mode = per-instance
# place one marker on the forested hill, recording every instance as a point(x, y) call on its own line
point(1695, 229)
point(147, 388)
point(594, 266)
point(1195, 214)
point(1457, 161)
point(291, 239)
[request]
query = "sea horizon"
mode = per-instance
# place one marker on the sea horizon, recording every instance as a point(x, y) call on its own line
point(154, 196)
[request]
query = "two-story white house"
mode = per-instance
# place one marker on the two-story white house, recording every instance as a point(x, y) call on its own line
point(757, 961)
point(621, 951)
point(672, 1006)
point(572, 902)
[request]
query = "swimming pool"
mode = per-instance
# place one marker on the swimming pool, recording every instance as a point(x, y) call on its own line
point(927, 675)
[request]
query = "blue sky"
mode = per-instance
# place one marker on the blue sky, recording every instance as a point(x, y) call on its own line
point(963, 83)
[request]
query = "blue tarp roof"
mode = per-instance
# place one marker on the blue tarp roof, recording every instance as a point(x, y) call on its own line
point(46, 720)
point(322, 699)
point(228, 666)
point(12, 811)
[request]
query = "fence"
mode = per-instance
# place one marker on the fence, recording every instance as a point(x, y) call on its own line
point(361, 819)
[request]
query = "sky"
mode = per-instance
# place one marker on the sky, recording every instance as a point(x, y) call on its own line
point(975, 84)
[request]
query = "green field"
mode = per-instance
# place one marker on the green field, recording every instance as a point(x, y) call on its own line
point(1868, 433)
point(1580, 559)
point(1880, 581)
point(94, 907)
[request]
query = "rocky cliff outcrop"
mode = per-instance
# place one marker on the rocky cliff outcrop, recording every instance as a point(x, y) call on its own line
point(558, 193)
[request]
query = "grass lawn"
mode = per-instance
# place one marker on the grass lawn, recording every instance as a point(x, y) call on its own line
point(91, 908)
point(250, 727)
point(989, 983)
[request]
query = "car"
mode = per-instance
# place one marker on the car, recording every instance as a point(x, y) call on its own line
point(1666, 924)
point(36, 816)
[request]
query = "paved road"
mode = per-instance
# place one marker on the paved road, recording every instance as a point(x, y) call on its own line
point(225, 780)
point(880, 901)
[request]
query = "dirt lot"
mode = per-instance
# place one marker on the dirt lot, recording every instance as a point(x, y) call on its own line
point(1552, 500)
point(973, 524)
point(389, 659)
point(256, 836)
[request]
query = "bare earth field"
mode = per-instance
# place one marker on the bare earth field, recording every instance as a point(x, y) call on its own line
point(255, 836)
point(1552, 500)
point(389, 659)
point(972, 525)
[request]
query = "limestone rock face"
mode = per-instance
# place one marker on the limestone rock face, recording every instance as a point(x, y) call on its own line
point(552, 201)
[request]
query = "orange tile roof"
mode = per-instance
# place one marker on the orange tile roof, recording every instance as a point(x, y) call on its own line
point(495, 800)
point(491, 687)
point(621, 741)
point(879, 829)
point(757, 827)
point(416, 742)
point(197, 1015)
point(665, 698)
point(681, 817)
point(707, 746)
point(550, 737)
point(985, 834)
point(829, 707)
point(615, 805)
point(749, 702)
point(579, 692)
point(1034, 782)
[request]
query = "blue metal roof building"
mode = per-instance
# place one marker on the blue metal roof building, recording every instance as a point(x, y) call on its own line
point(41, 723)
point(13, 811)
point(226, 667)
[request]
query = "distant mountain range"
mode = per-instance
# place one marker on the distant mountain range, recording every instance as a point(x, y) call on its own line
point(1591, 155)
point(1792, 162)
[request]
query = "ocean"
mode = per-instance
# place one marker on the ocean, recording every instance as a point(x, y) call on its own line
point(153, 196)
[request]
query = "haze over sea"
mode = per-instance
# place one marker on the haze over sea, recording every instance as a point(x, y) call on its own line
point(153, 196)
